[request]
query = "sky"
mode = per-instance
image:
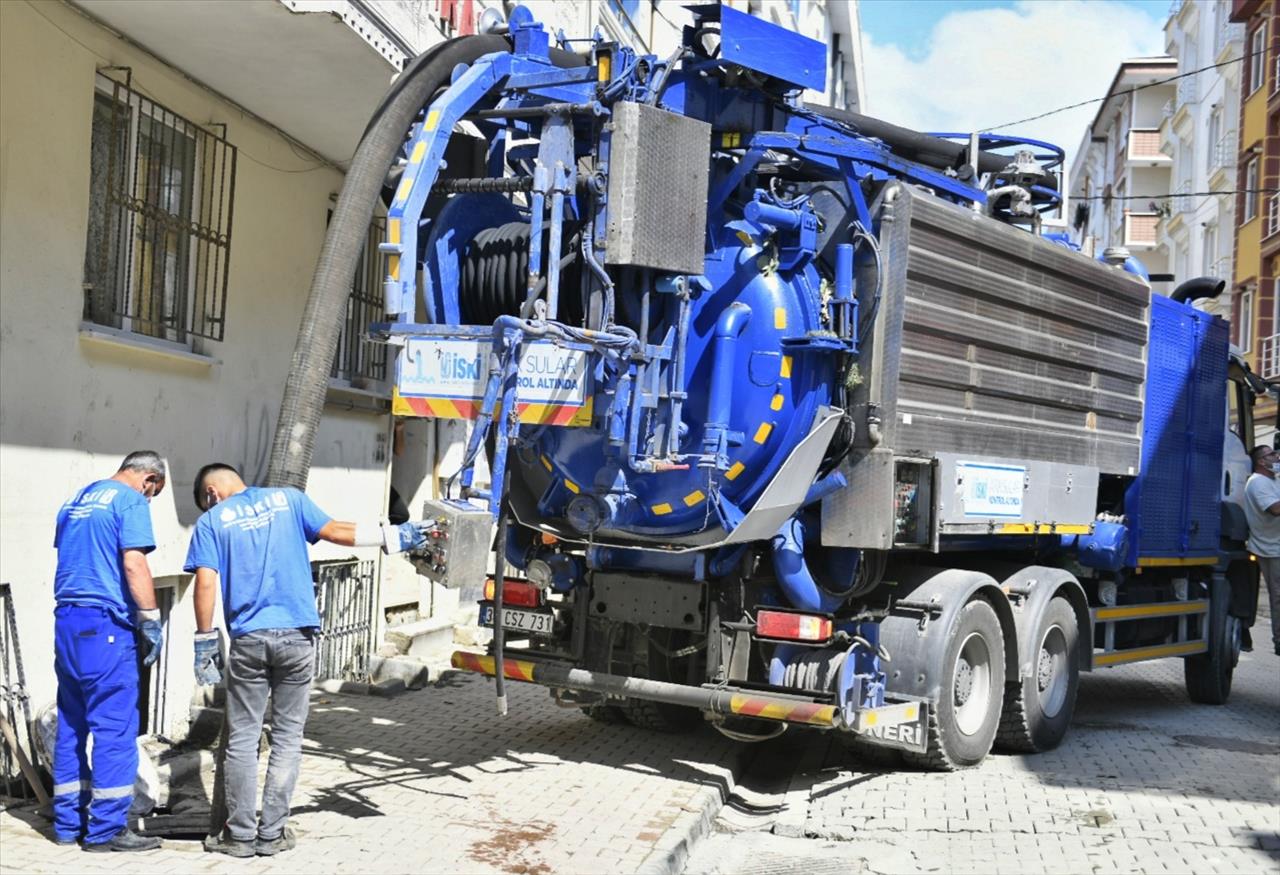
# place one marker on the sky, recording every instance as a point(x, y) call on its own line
point(961, 65)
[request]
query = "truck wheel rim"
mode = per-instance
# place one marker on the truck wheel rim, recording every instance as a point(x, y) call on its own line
point(971, 692)
point(1051, 671)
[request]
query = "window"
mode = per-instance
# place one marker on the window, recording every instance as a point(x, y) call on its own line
point(1214, 134)
point(1258, 58)
point(1245, 331)
point(358, 360)
point(1251, 189)
point(160, 198)
point(1210, 249)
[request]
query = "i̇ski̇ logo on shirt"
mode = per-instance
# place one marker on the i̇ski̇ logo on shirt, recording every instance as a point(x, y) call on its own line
point(245, 516)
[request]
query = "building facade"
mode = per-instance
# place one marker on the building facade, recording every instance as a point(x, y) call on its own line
point(1199, 131)
point(1120, 176)
point(1256, 326)
point(166, 176)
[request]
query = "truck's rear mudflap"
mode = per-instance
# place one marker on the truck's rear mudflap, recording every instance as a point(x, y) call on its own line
point(901, 724)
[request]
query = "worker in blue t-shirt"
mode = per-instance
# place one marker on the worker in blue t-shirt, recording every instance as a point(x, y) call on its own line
point(103, 590)
point(253, 541)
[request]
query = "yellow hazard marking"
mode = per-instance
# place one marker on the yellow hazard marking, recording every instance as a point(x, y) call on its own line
point(571, 486)
point(911, 713)
point(762, 433)
point(393, 231)
point(1168, 609)
point(1042, 529)
point(734, 470)
point(694, 497)
point(786, 367)
point(661, 509)
point(1119, 657)
point(419, 149)
point(405, 184)
point(1169, 561)
point(779, 318)
point(745, 238)
point(730, 139)
point(604, 69)
point(546, 463)
point(870, 719)
point(776, 402)
point(433, 119)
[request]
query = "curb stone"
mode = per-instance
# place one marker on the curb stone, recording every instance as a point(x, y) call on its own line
point(671, 852)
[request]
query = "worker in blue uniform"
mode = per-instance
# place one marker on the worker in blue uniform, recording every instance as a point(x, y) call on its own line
point(104, 591)
point(251, 543)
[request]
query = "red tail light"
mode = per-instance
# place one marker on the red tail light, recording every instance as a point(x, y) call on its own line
point(515, 593)
point(792, 627)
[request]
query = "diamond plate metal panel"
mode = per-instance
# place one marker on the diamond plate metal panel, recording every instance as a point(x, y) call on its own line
point(658, 168)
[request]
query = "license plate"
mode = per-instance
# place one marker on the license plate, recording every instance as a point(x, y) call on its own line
point(891, 730)
point(534, 622)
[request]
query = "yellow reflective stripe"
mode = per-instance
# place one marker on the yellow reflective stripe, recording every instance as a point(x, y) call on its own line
point(1175, 561)
point(694, 497)
point(762, 433)
point(406, 183)
point(1119, 657)
point(779, 318)
point(786, 367)
point(734, 470)
point(546, 463)
point(745, 238)
point(571, 486)
point(1166, 609)
point(776, 403)
point(433, 119)
point(1042, 529)
point(661, 509)
point(419, 149)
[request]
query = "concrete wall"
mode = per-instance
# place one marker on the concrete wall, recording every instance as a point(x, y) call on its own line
point(71, 407)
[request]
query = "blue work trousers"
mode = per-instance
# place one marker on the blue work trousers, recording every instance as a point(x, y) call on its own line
point(95, 658)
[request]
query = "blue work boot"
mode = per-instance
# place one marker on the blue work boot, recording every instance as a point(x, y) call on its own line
point(125, 840)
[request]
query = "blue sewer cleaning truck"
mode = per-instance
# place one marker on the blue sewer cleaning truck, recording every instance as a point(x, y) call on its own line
point(793, 416)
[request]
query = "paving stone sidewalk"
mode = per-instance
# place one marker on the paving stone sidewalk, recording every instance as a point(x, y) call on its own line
point(1146, 782)
point(434, 781)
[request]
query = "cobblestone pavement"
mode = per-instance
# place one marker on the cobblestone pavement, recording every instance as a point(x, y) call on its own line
point(434, 781)
point(1145, 782)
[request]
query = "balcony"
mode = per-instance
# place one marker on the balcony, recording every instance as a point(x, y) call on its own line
point(1227, 34)
point(1221, 269)
point(1269, 358)
point(1182, 202)
point(1143, 148)
point(1140, 230)
point(1224, 152)
point(1188, 90)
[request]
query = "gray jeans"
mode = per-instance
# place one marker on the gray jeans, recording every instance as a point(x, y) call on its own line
point(1270, 567)
point(279, 663)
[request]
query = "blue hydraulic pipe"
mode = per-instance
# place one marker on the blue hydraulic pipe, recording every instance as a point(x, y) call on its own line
point(833, 482)
point(535, 240)
point(843, 299)
point(761, 213)
point(729, 327)
point(793, 574)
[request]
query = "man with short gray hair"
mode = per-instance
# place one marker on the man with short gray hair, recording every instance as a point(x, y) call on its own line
point(103, 589)
point(1262, 509)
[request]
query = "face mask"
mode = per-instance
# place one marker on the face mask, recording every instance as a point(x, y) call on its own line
point(1275, 467)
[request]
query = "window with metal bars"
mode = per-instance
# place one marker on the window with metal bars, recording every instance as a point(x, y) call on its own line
point(358, 360)
point(161, 194)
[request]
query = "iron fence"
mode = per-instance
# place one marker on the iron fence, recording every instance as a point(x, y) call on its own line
point(346, 600)
point(14, 699)
point(359, 360)
point(162, 190)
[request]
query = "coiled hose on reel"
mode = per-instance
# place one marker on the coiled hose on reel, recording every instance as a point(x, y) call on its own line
point(494, 276)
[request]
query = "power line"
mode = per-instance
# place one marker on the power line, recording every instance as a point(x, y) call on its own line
point(1109, 96)
point(1173, 194)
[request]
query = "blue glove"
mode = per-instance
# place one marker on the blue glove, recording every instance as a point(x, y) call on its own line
point(149, 626)
point(208, 658)
point(404, 537)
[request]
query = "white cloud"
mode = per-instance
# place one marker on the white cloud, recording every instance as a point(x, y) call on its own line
point(987, 67)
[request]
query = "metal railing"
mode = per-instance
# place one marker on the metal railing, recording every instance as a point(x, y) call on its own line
point(162, 189)
point(357, 359)
point(1188, 90)
point(346, 599)
point(14, 699)
point(1182, 202)
point(1222, 268)
point(1224, 152)
point(1269, 357)
point(1227, 33)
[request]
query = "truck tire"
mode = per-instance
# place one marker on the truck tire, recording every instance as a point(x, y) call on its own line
point(1208, 675)
point(656, 661)
point(610, 715)
point(963, 724)
point(1038, 708)
point(660, 716)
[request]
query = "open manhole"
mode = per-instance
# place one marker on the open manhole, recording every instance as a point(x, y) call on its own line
point(1234, 745)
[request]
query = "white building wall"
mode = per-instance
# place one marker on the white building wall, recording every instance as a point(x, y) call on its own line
point(71, 407)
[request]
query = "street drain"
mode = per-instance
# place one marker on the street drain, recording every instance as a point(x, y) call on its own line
point(1234, 745)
